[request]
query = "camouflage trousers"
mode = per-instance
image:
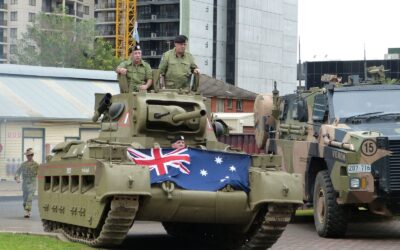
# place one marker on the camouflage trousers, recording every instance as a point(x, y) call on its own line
point(28, 191)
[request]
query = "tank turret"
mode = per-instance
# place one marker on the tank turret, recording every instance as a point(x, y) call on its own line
point(93, 191)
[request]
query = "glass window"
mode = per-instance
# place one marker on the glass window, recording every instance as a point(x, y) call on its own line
point(13, 49)
point(14, 16)
point(31, 17)
point(32, 2)
point(239, 105)
point(229, 104)
point(13, 32)
point(220, 105)
point(86, 9)
point(14, 1)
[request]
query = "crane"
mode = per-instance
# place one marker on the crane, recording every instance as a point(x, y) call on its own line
point(126, 16)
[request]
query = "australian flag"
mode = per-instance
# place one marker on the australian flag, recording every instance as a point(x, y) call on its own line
point(194, 169)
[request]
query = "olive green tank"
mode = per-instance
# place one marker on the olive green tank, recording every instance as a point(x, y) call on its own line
point(92, 191)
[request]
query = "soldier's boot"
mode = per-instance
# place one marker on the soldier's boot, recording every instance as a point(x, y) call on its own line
point(27, 213)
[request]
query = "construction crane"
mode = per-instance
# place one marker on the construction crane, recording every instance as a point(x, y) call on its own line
point(126, 16)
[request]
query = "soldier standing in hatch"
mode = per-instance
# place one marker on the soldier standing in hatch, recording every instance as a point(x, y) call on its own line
point(29, 171)
point(176, 65)
point(137, 71)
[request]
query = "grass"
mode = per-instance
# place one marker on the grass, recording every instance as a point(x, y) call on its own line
point(12, 241)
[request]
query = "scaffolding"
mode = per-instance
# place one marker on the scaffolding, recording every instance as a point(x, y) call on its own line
point(124, 26)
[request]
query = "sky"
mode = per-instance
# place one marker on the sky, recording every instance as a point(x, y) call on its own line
point(338, 29)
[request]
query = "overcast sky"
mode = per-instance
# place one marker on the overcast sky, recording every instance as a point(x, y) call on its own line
point(338, 29)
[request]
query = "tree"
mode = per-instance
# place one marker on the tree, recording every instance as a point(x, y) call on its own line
point(62, 41)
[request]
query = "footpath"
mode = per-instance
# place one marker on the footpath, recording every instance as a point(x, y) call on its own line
point(10, 188)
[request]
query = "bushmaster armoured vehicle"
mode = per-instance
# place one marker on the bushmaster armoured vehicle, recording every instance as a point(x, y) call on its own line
point(344, 141)
point(93, 191)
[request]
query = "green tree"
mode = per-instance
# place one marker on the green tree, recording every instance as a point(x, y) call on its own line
point(62, 41)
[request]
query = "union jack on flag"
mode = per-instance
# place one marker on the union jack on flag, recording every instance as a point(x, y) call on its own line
point(194, 169)
point(159, 161)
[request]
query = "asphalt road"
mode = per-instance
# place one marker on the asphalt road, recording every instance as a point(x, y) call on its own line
point(365, 235)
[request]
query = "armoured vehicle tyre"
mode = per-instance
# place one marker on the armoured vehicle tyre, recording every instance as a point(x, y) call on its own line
point(330, 219)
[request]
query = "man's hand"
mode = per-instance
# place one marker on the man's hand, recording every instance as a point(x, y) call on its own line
point(143, 87)
point(121, 71)
point(196, 71)
point(16, 178)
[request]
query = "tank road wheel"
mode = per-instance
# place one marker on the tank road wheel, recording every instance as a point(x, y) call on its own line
point(330, 219)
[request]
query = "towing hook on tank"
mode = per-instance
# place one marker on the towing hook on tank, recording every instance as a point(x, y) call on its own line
point(130, 182)
point(285, 190)
point(168, 187)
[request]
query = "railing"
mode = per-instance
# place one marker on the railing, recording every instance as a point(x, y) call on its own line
point(104, 6)
point(105, 19)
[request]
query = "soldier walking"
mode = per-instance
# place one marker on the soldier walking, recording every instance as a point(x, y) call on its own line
point(29, 171)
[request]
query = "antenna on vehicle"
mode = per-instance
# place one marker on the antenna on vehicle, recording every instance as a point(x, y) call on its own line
point(299, 69)
point(365, 65)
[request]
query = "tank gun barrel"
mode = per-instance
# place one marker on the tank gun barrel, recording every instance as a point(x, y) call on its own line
point(189, 115)
point(104, 103)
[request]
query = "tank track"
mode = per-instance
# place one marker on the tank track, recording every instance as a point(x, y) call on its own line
point(113, 228)
point(267, 227)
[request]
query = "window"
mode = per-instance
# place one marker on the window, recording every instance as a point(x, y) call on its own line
point(229, 104)
point(32, 2)
point(14, 1)
point(31, 17)
point(220, 105)
point(13, 32)
point(86, 10)
point(13, 49)
point(239, 105)
point(14, 16)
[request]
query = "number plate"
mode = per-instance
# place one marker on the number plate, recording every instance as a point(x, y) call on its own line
point(359, 168)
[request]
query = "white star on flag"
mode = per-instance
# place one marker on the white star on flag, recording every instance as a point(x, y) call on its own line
point(218, 160)
point(232, 168)
point(203, 172)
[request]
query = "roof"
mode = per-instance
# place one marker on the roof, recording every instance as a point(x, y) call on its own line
point(32, 92)
point(50, 93)
point(211, 87)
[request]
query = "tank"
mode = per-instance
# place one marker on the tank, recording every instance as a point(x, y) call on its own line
point(94, 191)
point(343, 140)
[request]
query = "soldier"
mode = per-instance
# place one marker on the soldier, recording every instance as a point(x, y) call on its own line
point(29, 171)
point(176, 66)
point(137, 71)
point(178, 142)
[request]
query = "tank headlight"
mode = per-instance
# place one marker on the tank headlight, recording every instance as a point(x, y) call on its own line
point(354, 183)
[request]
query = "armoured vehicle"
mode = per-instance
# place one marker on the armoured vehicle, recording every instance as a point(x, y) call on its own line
point(92, 191)
point(344, 141)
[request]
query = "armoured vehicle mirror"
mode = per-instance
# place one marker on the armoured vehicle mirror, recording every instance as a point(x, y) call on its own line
point(319, 109)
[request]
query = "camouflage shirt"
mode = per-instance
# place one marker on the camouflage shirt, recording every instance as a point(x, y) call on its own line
point(136, 74)
point(176, 69)
point(28, 170)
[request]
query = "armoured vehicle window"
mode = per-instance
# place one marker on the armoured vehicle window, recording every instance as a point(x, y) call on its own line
point(299, 111)
point(319, 110)
point(353, 103)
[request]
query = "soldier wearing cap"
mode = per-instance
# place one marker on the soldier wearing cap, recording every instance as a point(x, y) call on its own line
point(178, 142)
point(29, 171)
point(137, 71)
point(176, 65)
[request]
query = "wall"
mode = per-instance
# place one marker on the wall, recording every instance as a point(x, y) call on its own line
point(266, 47)
point(247, 105)
point(11, 139)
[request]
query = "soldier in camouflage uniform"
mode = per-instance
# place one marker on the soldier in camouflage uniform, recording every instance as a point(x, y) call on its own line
point(177, 65)
point(137, 71)
point(29, 171)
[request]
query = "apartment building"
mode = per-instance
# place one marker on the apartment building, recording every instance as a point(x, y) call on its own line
point(15, 15)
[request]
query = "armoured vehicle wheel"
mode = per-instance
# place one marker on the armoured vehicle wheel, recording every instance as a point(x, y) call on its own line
point(330, 219)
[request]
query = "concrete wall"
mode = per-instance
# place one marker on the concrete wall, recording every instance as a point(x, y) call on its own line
point(221, 40)
point(201, 33)
point(266, 32)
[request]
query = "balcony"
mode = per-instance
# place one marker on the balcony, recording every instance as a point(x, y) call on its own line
point(79, 14)
point(3, 39)
point(103, 6)
point(3, 6)
point(3, 22)
point(105, 19)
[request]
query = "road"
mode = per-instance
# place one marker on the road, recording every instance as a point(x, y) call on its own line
point(367, 235)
